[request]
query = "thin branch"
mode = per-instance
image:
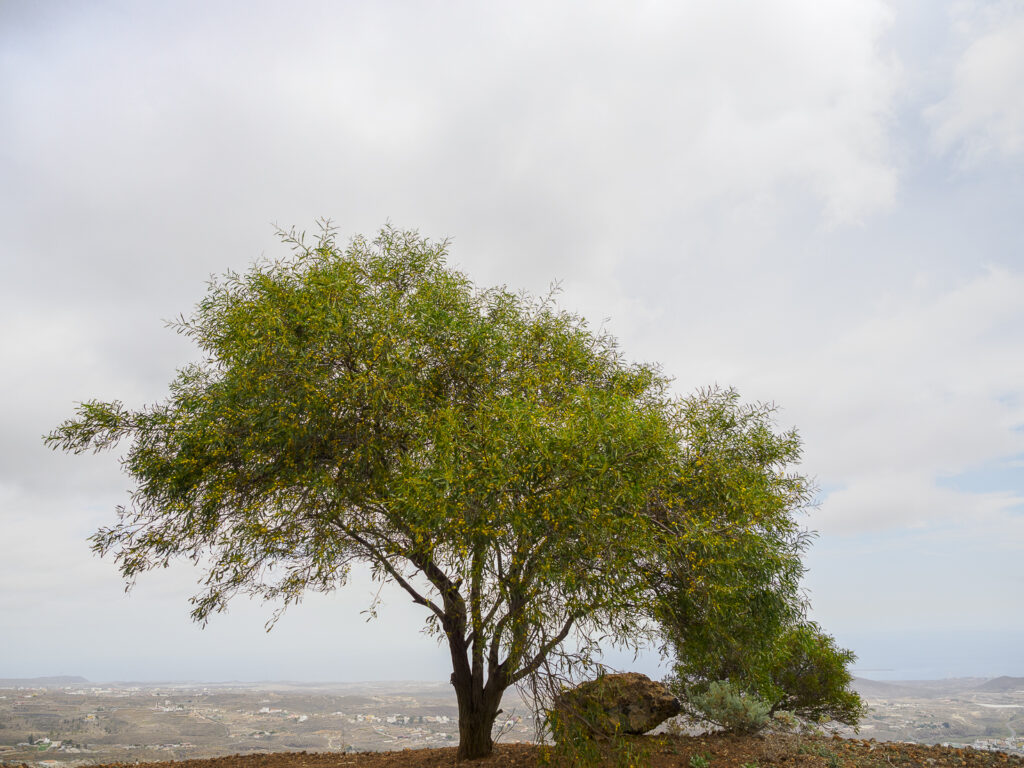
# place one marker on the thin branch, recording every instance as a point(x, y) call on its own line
point(392, 571)
point(475, 587)
point(538, 659)
point(515, 608)
point(488, 618)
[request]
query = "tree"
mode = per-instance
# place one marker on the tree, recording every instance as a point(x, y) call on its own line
point(811, 677)
point(483, 450)
point(728, 599)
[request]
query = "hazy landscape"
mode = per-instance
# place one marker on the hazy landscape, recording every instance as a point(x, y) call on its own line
point(66, 722)
point(978, 712)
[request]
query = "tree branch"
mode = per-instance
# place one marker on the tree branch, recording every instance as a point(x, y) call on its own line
point(538, 659)
point(392, 571)
point(475, 587)
point(488, 618)
point(515, 607)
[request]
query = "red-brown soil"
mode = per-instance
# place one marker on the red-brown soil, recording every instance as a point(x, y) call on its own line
point(712, 751)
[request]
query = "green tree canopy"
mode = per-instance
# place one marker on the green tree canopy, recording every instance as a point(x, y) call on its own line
point(729, 600)
point(484, 450)
point(810, 676)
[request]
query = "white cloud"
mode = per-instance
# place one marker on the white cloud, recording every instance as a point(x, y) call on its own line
point(925, 388)
point(983, 113)
point(536, 121)
point(904, 500)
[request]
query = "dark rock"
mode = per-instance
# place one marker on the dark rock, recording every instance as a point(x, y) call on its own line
point(619, 703)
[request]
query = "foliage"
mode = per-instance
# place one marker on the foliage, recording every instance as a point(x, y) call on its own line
point(833, 760)
point(731, 584)
point(482, 449)
point(807, 680)
point(575, 718)
point(726, 705)
point(580, 726)
point(576, 745)
point(812, 678)
point(573, 743)
point(728, 602)
point(733, 578)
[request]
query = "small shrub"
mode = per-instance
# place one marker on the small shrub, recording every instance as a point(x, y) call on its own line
point(668, 744)
point(815, 749)
point(578, 744)
point(574, 743)
point(699, 761)
point(785, 721)
point(631, 754)
point(727, 706)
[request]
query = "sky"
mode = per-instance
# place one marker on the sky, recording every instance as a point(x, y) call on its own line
point(819, 204)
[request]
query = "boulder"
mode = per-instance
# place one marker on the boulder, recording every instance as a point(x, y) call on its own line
point(620, 703)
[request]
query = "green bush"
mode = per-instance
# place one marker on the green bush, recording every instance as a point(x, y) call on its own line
point(812, 675)
point(805, 679)
point(724, 704)
point(728, 598)
point(581, 739)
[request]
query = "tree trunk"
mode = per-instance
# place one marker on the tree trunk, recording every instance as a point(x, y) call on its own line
point(478, 709)
point(478, 701)
point(475, 735)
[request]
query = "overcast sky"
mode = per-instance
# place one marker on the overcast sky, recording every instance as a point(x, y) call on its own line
point(819, 204)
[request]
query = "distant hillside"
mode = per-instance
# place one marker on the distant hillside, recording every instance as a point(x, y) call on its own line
point(879, 689)
point(916, 689)
point(927, 689)
point(42, 682)
point(1002, 684)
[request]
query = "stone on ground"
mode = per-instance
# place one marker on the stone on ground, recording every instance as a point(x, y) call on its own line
point(619, 703)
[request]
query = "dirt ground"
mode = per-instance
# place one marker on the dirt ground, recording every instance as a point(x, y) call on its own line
point(714, 751)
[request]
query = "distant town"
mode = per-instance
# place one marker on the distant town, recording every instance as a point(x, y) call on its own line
point(64, 724)
point(69, 722)
point(964, 712)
